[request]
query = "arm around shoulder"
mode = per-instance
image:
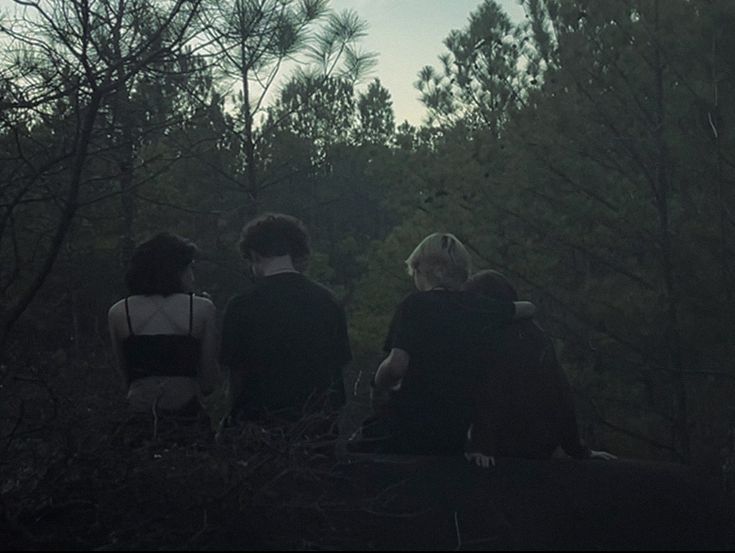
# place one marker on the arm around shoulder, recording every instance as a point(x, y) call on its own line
point(114, 321)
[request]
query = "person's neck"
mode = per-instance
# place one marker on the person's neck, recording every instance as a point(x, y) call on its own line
point(270, 266)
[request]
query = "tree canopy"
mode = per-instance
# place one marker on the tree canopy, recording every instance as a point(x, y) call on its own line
point(585, 151)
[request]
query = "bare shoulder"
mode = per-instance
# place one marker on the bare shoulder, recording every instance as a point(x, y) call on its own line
point(204, 306)
point(116, 318)
point(117, 310)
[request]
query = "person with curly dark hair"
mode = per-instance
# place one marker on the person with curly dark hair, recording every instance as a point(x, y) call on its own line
point(285, 339)
point(164, 337)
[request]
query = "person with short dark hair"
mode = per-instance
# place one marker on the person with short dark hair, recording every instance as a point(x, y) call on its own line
point(285, 339)
point(275, 235)
point(423, 389)
point(523, 402)
point(163, 336)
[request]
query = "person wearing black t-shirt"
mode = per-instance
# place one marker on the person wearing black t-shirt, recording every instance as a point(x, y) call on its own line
point(423, 390)
point(284, 340)
point(524, 406)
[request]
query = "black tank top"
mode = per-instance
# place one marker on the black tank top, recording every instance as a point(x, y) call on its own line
point(161, 354)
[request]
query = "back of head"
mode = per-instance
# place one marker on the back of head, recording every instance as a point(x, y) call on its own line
point(491, 284)
point(275, 235)
point(157, 265)
point(442, 258)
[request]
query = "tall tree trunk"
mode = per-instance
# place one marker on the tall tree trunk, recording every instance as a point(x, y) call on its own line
point(662, 193)
point(251, 174)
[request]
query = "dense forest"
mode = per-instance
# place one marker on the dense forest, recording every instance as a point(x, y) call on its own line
point(584, 151)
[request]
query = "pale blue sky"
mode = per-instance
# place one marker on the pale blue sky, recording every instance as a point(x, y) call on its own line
point(408, 34)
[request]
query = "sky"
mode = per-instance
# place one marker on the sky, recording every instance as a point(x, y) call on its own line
point(409, 34)
point(406, 35)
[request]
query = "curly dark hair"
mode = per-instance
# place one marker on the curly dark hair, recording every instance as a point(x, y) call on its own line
point(274, 235)
point(491, 284)
point(156, 265)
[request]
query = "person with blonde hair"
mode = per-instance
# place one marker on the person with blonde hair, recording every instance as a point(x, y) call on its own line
point(439, 335)
point(439, 261)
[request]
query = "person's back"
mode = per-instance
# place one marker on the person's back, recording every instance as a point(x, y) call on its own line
point(523, 403)
point(285, 339)
point(445, 333)
point(163, 336)
point(289, 334)
point(423, 389)
point(161, 339)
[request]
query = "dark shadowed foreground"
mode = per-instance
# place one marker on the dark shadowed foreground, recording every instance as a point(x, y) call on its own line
point(269, 488)
point(523, 504)
point(77, 472)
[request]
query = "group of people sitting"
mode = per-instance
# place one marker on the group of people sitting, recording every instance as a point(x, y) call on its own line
point(467, 370)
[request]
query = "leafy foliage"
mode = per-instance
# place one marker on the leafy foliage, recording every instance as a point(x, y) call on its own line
point(577, 176)
point(584, 151)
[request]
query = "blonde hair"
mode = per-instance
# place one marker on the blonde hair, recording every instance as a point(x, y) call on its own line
point(442, 258)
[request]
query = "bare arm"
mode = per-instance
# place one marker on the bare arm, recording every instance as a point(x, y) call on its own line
point(116, 341)
point(210, 340)
point(388, 378)
point(392, 370)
